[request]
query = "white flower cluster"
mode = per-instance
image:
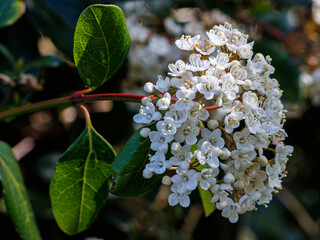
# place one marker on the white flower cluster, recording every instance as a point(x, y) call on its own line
point(240, 158)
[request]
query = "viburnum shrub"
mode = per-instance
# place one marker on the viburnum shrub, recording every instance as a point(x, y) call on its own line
point(214, 123)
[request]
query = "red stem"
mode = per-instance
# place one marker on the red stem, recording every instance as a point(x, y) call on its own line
point(211, 107)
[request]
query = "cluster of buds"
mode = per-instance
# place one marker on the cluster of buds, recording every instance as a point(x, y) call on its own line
point(218, 124)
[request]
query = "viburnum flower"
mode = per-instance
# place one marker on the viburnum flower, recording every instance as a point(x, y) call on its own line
point(218, 124)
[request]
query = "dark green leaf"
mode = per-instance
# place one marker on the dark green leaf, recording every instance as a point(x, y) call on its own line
point(128, 167)
point(208, 206)
point(286, 71)
point(101, 43)
point(80, 185)
point(10, 11)
point(15, 195)
point(44, 61)
point(5, 52)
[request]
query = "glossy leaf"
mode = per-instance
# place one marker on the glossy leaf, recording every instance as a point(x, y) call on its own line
point(128, 167)
point(15, 195)
point(43, 61)
point(208, 206)
point(10, 11)
point(80, 185)
point(101, 43)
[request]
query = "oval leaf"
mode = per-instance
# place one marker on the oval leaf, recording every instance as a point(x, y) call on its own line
point(101, 43)
point(128, 167)
point(10, 11)
point(208, 206)
point(80, 185)
point(15, 195)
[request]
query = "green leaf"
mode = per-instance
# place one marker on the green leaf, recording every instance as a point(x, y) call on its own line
point(43, 61)
point(128, 167)
point(15, 195)
point(5, 52)
point(80, 185)
point(208, 206)
point(11, 11)
point(286, 70)
point(101, 43)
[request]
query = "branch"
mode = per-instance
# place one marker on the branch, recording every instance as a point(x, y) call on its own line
point(73, 99)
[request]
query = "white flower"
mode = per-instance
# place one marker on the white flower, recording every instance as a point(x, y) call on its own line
point(208, 86)
point(221, 61)
point(250, 101)
point(184, 180)
point(218, 38)
point(282, 153)
point(167, 127)
point(205, 47)
point(219, 196)
point(177, 69)
point(164, 102)
point(229, 86)
point(187, 43)
point(185, 97)
point(247, 124)
point(187, 132)
point(245, 51)
point(244, 139)
point(231, 211)
point(208, 154)
point(197, 112)
point(181, 155)
point(147, 114)
point(176, 197)
point(179, 117)
point(243, 157)
point(196, 64)
point(186, 80)
point(213, 137)
point(157, 163)
point(232, 121)
point(273, 175)
point(208, 177)
point(162, 85)
point(159, 141)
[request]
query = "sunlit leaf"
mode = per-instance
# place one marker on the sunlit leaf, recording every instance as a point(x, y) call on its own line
point(101, 43)
point(15, 195)
point(208, 206)
point(10, 11)
point(128, 167)
point(80, 185)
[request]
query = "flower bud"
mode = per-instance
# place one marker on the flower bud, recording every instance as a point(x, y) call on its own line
point(247, 84)
point(149, 87)
point(175, 147)
point(221, 205)
point(166, 180)
point(213, 124)
point(238, 185)
point(224, 167)
point(145, 132)
point(224, 153)
point(145, 100)
point(263, 161)
point(147, 174)
point(228, 178)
